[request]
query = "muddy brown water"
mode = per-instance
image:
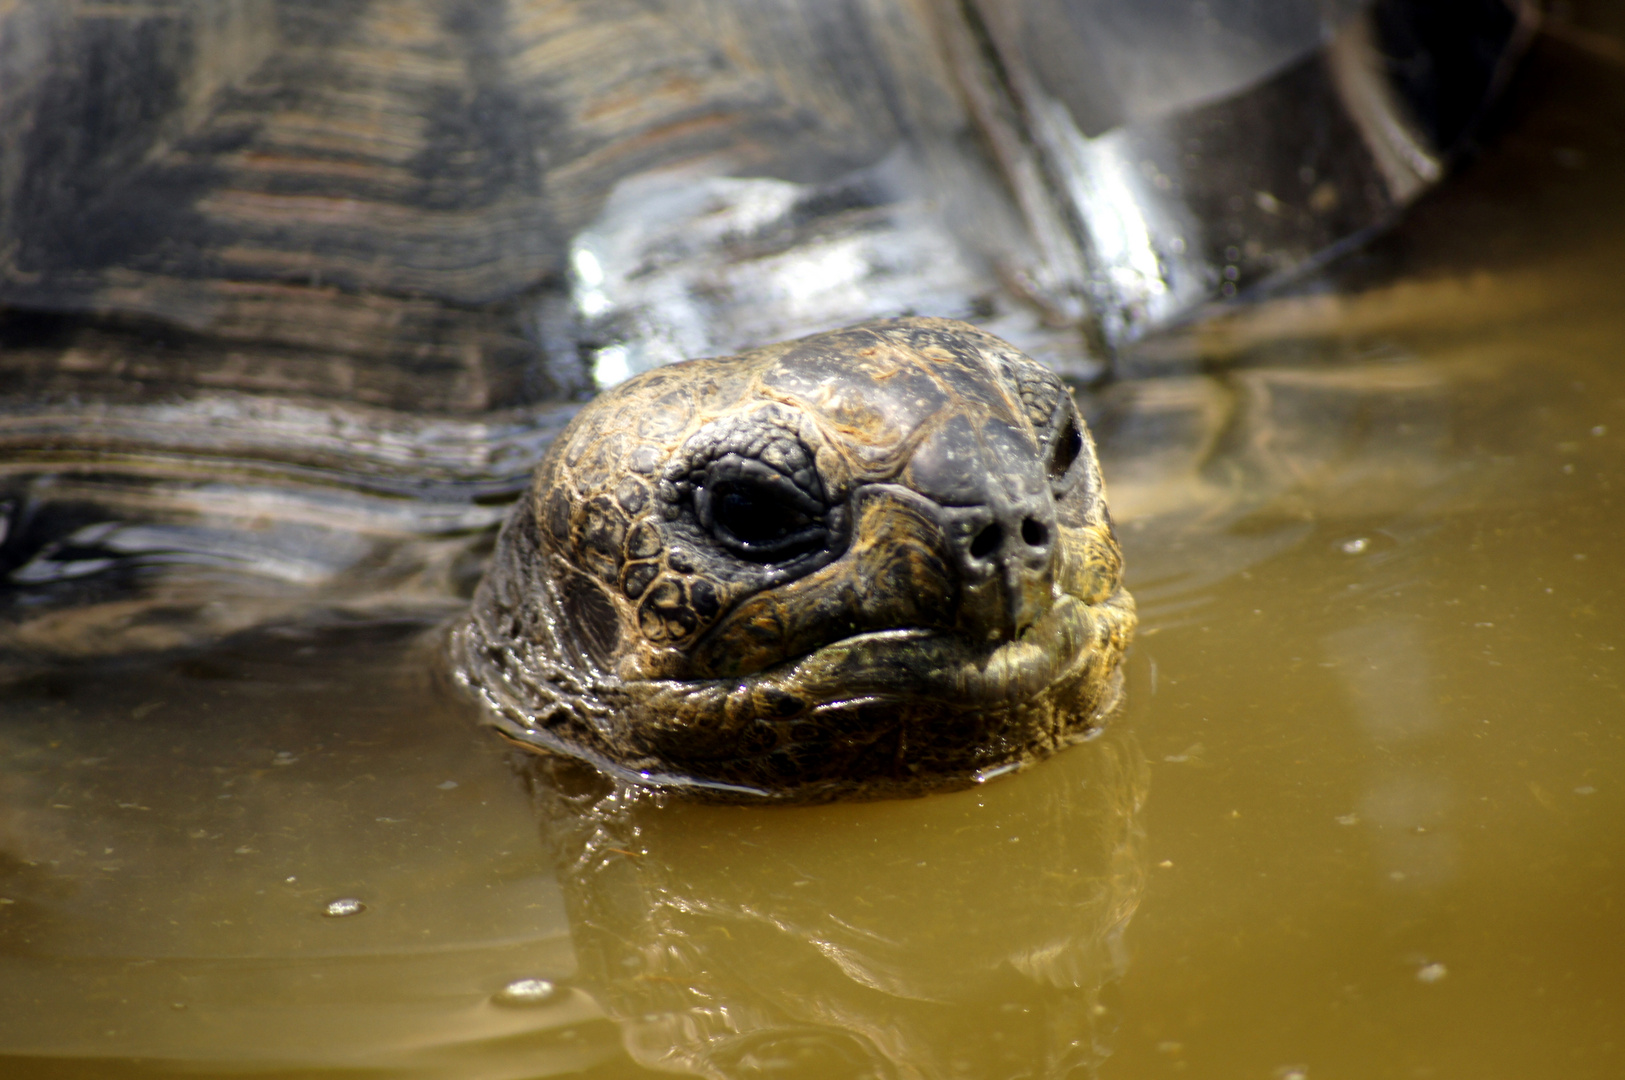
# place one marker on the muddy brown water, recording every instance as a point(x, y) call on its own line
point(1361, 817)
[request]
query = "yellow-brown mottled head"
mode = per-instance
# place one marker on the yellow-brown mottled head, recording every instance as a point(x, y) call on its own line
point(873, 561)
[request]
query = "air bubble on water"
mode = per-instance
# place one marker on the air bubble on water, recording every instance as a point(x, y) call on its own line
point(1600, 430)
point(1348, 819)
point(526, 992)
point(1585, 790)
point(1355, 546)
point(1292, 1072)
point(345, 905)
point(446, 785)
point(284, 757)
point(1431, 973)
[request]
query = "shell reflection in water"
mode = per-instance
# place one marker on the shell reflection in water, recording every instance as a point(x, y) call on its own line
point(962, 934)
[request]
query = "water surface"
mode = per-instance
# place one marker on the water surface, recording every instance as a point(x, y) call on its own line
point(1361, 816)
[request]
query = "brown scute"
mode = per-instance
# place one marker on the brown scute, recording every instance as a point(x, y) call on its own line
point(645, 460)
point(643, 542)
point(603, 539)
point(632, 494)
point(637, 578)
point(665, 614)
point(665, 418)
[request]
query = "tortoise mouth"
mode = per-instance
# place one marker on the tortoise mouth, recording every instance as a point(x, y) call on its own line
point(879, 713)
point(911, 663)
point(897, 711)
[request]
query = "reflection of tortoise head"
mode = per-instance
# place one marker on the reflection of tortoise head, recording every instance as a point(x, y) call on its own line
point(872, 561)
point(967, 934)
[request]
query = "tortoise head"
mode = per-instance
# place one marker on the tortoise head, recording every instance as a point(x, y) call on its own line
point(873, 561)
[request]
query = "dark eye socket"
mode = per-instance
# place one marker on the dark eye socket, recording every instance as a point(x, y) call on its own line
point(762, 523)
point(1067, 449)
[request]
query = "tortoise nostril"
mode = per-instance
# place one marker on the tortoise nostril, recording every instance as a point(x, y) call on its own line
point(1034, 532)
point(986, 541)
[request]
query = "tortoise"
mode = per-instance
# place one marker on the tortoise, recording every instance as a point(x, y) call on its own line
point(876, 560)
point(293, 294)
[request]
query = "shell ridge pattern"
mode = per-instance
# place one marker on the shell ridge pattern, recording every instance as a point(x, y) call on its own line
point(854, 564)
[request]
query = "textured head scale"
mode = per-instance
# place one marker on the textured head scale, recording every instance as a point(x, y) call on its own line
point(872, 561)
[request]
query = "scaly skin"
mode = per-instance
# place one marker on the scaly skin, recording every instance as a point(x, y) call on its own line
point(876, 561)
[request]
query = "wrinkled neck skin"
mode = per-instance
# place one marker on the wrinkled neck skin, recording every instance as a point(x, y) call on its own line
point(869, 563)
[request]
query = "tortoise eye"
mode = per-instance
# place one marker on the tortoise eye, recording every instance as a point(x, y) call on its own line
point(755, 515)
point(761, 524)
point(758, 513)
point(1067, 449)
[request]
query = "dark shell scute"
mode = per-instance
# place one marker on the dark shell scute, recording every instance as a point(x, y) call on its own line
point(558, 517)
point(665, 614)
point(643, 542)
point(592, 615)
point(632, 494)
point(638, 576)
point(703, 595)
point(603, 538)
